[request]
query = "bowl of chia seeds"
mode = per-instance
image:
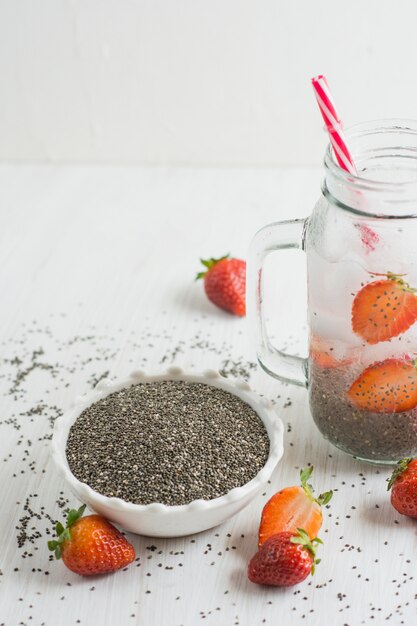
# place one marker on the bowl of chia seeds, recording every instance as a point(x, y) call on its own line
point(170, 454)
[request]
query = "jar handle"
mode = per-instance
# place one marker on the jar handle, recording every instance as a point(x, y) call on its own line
point(278, 236)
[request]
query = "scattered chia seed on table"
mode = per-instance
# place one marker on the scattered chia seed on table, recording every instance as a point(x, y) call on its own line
point(168, 441)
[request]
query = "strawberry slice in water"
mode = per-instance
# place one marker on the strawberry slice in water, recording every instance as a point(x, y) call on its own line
point(386, 387)
point(384, 309)
point(323, 353)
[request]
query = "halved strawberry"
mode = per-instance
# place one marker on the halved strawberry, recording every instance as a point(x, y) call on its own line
point(386, 387)
point(384, 309)
point(292, 508)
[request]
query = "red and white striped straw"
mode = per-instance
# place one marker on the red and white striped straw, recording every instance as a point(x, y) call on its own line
point(333, 124)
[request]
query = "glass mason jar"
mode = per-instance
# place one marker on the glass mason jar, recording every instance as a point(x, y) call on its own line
point(361, 247)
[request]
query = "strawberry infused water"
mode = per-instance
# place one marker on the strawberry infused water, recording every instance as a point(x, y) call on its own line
point(363, 353)
point(361, 247)
point(363, 348)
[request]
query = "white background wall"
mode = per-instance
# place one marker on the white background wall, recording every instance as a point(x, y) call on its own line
point(196, 81)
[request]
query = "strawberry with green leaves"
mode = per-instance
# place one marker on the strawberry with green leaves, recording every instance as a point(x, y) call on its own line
point(90, 545)
point(403, 485)
point(285, 559)
point(225, 283)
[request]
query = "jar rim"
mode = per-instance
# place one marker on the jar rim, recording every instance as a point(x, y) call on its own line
point(398, 192)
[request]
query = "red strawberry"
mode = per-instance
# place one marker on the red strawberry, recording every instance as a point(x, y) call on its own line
point(386, 387)
point(404, 487)
point(284, 560)
point(91, 545)
point(384, 309)
point(293, 507)
point(225, 283)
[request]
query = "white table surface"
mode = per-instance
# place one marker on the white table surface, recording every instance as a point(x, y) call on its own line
point(96, 274)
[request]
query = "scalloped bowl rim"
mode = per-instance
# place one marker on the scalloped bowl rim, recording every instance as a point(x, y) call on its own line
point(262, 407)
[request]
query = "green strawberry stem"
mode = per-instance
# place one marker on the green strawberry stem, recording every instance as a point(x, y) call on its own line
point(323, 498)
point(396, 278)
point(209, 263)
point(64, 534)
point(302, 538)
point(399, 469)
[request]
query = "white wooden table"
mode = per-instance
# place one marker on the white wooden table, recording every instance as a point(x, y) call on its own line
point(97, 273)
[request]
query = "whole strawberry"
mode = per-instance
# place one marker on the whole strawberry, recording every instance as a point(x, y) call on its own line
point(225, 283)
point(403, 485)
point(285, 559)
point(91, 545)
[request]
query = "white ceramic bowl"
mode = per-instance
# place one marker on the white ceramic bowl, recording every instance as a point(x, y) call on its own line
point(156, 519)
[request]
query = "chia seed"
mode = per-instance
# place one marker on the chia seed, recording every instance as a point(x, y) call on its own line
point(379, 437)
point(169, 441)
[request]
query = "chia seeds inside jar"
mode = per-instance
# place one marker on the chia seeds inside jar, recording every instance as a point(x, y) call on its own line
point(379, 437)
